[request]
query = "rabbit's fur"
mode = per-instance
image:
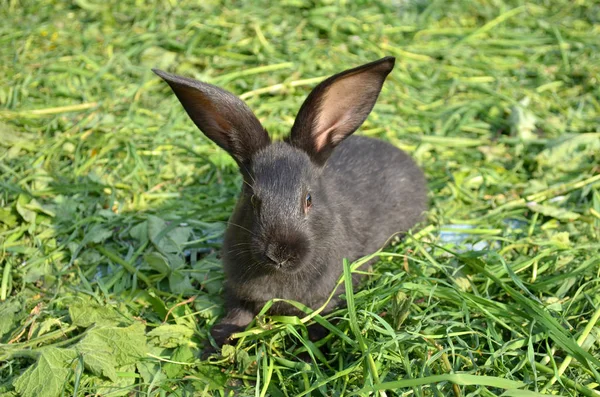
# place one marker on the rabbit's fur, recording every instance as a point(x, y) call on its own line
point(304, 206)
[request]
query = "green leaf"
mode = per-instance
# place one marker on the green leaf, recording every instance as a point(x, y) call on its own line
point(122, 386)
point(167, 238)
point(140, 232)
point(38, 208)
point(209, 377)
point(127, 344)
point(86, 312)
point(561, 239)
point(27, 214)
point(97, 355)
point(175, 261)
point(183, 354)
point(158, 305)
point(152, 369)
point(228, 352)
point(554, 212)
point(97, 234)
point(48, 376)
point(8, 217)
point(170, 335)
point(157, 262)
point(243, 360)
point(156, 226)
point(180, 283)
point(104, 349)
point(208, 306)
point(47, 325)
point(8, 312)
point(35, 273)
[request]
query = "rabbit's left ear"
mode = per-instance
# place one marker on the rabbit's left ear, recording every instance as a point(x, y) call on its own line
point(220, 115)
point(337, 107)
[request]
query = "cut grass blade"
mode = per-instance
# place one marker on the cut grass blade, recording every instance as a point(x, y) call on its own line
point(459, 379)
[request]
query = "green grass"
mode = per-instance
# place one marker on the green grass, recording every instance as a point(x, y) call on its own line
point(105, 185)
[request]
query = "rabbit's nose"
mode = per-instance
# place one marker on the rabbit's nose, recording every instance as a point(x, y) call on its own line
point(278, 253)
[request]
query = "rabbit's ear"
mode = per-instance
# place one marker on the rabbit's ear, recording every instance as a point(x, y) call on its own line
point(337, 107)
point(220, 115)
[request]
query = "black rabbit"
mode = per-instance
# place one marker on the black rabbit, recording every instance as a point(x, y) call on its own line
point(310, 201)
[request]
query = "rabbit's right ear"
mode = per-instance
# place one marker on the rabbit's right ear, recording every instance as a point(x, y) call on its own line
point(337, 107)
point(220, 115)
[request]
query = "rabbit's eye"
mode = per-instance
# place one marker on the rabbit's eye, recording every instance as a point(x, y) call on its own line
point(308, 202)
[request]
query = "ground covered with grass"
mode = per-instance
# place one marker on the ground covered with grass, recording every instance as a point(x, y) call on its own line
point(112, 204)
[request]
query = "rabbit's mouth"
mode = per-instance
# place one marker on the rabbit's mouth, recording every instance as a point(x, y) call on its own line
point(284, 256)
point(279, 263)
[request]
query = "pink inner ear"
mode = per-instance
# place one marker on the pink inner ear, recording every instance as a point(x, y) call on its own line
point(343, 107)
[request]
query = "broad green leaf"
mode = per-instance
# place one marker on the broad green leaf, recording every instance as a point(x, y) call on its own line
point(180, 283)
point(66, 208)
point(158, 305)
point(48, 376)
point(97, 234)
point(140, 232)
point(37, 272)
point(167, 238)
point(228, 352)
point(156, 226)
point(208, 306)
point(176, 239)
point(127, 344)
point(8, 312)
point(47, 325)
point(158, 262)
point(152, 368)
point(170, 335)
point(8, 217)
point(86, 312)
point(124, 385)
point(561, 239)
point(183, 354)
point(209, 377)
point(104, 349)
point(243, 360)
point(37, 207)
point(27, 214)
point(175, 261)
point(98, 355)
